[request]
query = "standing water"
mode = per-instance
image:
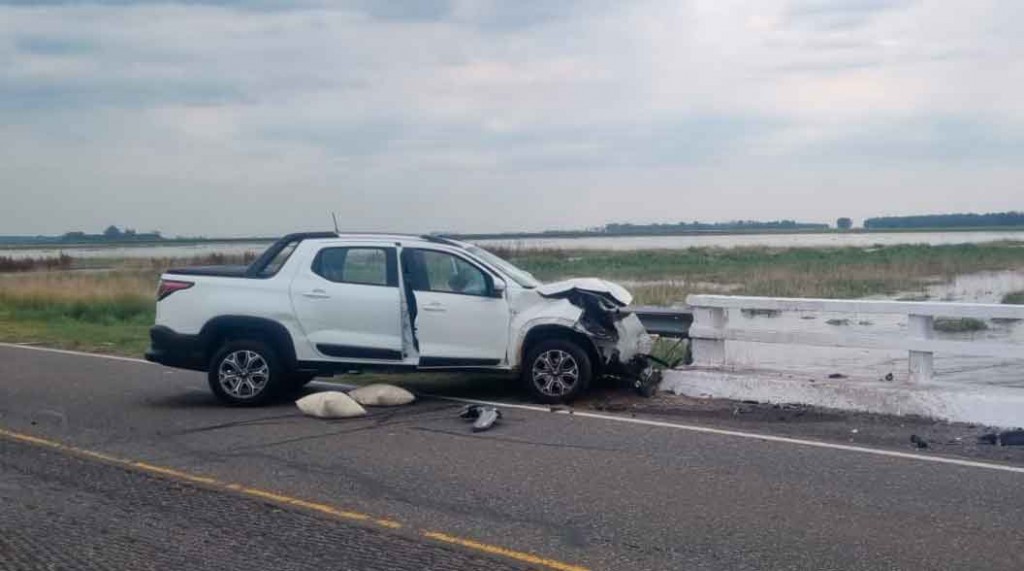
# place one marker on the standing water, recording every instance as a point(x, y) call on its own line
point(801, 240)
point(818, 362)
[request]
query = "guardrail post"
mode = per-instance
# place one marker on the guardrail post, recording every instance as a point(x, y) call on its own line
point(921, 365)
point(709, 352)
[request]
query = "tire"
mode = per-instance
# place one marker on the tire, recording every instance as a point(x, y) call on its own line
point(556, 355)
point(264, 376)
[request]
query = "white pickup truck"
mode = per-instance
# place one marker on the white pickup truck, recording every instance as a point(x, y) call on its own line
point(316, 304)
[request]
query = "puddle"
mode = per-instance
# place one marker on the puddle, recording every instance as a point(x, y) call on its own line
point(983, 287)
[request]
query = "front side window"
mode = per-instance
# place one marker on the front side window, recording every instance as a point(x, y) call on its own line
point(367, 266)
point(445, 273)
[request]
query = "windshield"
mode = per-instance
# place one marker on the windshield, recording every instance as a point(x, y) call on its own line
point(521, 277)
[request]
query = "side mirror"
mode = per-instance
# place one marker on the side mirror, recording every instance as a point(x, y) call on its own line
point(498, 289)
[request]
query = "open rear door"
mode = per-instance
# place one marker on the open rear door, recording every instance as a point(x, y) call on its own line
point(349, 304)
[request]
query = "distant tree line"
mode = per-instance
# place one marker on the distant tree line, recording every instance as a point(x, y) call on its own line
point(742, 225)
point(112, 234)
point(946, 221)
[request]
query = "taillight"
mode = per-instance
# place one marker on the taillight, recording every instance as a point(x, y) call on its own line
point(167, 287)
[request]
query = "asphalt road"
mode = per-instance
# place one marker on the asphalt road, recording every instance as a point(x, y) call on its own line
point(63, 512)
point(602, 494)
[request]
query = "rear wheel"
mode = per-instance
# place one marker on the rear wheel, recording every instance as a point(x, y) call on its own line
point(246, 373)
point(556, 371)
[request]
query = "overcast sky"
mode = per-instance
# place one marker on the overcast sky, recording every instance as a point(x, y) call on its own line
point(260, 117)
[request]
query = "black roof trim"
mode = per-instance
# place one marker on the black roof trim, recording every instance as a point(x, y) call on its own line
point(299, 236)
point(440, 240)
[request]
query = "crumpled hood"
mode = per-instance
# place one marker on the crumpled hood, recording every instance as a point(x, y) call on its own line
point(611, 291)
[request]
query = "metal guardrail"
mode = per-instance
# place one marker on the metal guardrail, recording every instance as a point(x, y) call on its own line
point(664, 321)
point(712, 329)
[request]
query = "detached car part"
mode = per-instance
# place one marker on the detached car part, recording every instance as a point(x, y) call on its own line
point(483, 417)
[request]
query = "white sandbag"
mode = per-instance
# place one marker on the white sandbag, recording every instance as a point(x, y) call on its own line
point(381, 395)
point(330, 404)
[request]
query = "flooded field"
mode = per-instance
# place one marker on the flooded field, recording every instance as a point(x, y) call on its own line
point(985, 287)
point(768, 240)
point(590, 243)
point(138, 251)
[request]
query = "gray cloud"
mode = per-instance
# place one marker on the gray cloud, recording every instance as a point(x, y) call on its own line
point(464, 115)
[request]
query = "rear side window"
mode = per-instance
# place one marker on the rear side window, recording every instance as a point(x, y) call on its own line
point(366, 266)
point(277, 262)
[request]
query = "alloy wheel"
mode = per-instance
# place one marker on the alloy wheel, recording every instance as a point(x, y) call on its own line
point(555, 372)
point(243, 374)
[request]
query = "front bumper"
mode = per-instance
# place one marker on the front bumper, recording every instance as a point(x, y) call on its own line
point(173, 349)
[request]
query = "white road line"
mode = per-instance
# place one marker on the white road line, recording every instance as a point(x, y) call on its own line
point(640, 421)
point(750, 435)
point(75, 353)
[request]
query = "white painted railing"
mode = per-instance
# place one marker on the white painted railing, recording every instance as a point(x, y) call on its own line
point(711, 330)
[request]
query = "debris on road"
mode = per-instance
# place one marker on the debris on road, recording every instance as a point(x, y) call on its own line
point(918, 441)
point(646, 383)
point(837, 376)
point(483, 417)
point(381, 395)
point(1004, 438)
point(888, 377)
point(330, 404)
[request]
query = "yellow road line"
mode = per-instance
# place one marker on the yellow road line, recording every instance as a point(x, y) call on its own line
point(290, 501)
point(174, 473)
point(495, 550)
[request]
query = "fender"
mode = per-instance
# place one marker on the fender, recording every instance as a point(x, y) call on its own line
point(561, 314)
point(276, 333)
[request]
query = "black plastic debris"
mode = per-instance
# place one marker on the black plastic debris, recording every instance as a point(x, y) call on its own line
point(918, 441)
point(483, 417)
point(1005, 438)
point(837, 376)
point(888, 377)
point(646, 384)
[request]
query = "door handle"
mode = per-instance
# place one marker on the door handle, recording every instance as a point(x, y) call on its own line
point(316, 294)
point(435, 307)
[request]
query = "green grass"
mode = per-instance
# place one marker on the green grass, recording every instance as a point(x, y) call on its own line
point(1014, 298)
point(128, 338)
point(777, 272)
point(103, 312)
point(959, 325)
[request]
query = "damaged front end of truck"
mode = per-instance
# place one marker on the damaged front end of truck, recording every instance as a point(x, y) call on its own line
point(598, 310)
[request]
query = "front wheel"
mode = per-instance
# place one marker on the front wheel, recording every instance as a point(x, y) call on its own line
point(246, 373)
point(556, 371)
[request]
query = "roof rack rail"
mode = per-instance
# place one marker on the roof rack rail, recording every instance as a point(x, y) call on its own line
point(440, 240)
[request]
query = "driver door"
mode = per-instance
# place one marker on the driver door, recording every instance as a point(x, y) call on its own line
point(460, 322)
